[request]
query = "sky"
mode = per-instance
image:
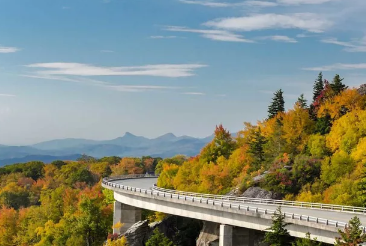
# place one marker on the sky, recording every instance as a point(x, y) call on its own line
point(96, 69)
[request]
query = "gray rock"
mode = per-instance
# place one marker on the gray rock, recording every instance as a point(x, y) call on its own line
point(209, 235)
point(256, 192)
point(362, 89)
point(136, 234)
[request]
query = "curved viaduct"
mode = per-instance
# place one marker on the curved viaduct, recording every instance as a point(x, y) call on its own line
point(133, 193)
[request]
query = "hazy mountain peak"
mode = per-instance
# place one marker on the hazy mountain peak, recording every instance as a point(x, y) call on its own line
point(129, 134)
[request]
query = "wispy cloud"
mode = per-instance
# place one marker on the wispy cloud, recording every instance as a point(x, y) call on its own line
point(6, 95)
point(194, 93)
point(219, 4)
point(218, 35)
point(338, 66)
point(103, 84)
point(304, 21)
point(79, 69)
point(140, 88)
point(163, 37)
point(356, 45)
point(226, 4)
point(280, 38)
point(107, 51)
point(4, 49)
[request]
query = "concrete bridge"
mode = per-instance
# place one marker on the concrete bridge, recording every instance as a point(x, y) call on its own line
point(135, 192)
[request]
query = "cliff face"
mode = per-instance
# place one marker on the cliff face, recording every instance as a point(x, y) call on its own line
point(182, 231)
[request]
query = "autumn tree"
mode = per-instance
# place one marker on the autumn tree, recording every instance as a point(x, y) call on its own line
point(277, 105)
point(222, 145)
point(277, 234)
point(353, 235)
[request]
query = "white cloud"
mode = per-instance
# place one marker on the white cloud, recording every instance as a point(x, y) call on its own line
point(102, 84)
point(194, 93)
point(226, 4)
point(6, 95)
point(281, 38)
point(139, 88)
point(218, 4)
point(79, 69)
point(163, 37)
point(4, 49)
point(107, 51)
point(305, 21)
point(338, 66)
point(356, 45)
point(298, 2)
point(219, 35)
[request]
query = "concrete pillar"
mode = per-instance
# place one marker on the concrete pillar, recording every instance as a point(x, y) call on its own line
point(226, 235)
point(125, 214)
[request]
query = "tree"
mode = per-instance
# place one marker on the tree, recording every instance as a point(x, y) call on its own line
point(277, 105)
point(158, 239)
point(256, 147)
point(222, 145)
point(318, 87)
point(278, 234)
point(302, 102)
point(353, 234)
point(337, 85)
point(307, 241)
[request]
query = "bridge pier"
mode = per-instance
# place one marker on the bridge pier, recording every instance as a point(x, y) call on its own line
point(125, 214)
point(226, 235)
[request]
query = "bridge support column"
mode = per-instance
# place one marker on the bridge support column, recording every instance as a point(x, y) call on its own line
point(226, 235)
point(125, 214)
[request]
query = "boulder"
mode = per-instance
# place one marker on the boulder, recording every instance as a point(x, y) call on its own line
point(257, 192)
point(136, 234)
point(209, 235)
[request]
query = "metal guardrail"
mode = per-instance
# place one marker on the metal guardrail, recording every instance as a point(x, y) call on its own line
point(322, 206)
point(228, 201)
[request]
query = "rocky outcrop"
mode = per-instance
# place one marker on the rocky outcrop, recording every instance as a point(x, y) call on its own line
point(182, 231)
point(256, 192)
point(209, 235)
point(136, 234)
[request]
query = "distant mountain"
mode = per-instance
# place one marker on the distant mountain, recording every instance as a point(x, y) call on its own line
point(164, 146)
point(63, 144)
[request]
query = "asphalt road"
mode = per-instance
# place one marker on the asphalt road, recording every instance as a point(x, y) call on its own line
point(147, 183)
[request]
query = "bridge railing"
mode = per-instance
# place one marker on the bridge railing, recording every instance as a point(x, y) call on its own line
point(323, 206)
point(217, 201)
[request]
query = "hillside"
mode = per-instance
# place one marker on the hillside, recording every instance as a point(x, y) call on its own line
point(314, 152)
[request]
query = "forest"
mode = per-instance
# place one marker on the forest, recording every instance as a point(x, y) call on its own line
point(313, 152)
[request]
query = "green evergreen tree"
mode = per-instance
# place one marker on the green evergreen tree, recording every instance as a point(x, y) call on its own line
point(256, 147)
point(278, 234)
point(302, 101)
point(337, 85)
point(323, 125)
point(158, 239)
point(318, 86)
point(277, 105)
point(306, 241)
point(353, 235)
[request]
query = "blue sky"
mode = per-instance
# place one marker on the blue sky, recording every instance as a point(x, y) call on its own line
point(98, 68)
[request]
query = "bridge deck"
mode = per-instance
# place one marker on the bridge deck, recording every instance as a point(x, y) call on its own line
point(325, 214)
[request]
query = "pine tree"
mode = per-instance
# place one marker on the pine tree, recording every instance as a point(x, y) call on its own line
point(306, 241)
point(158, 239)
point(352, 235)
point(337, 85)
point(278, 234)
point(318, 86)
point(277, 105)
point(256, 147)
point(302, 101)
